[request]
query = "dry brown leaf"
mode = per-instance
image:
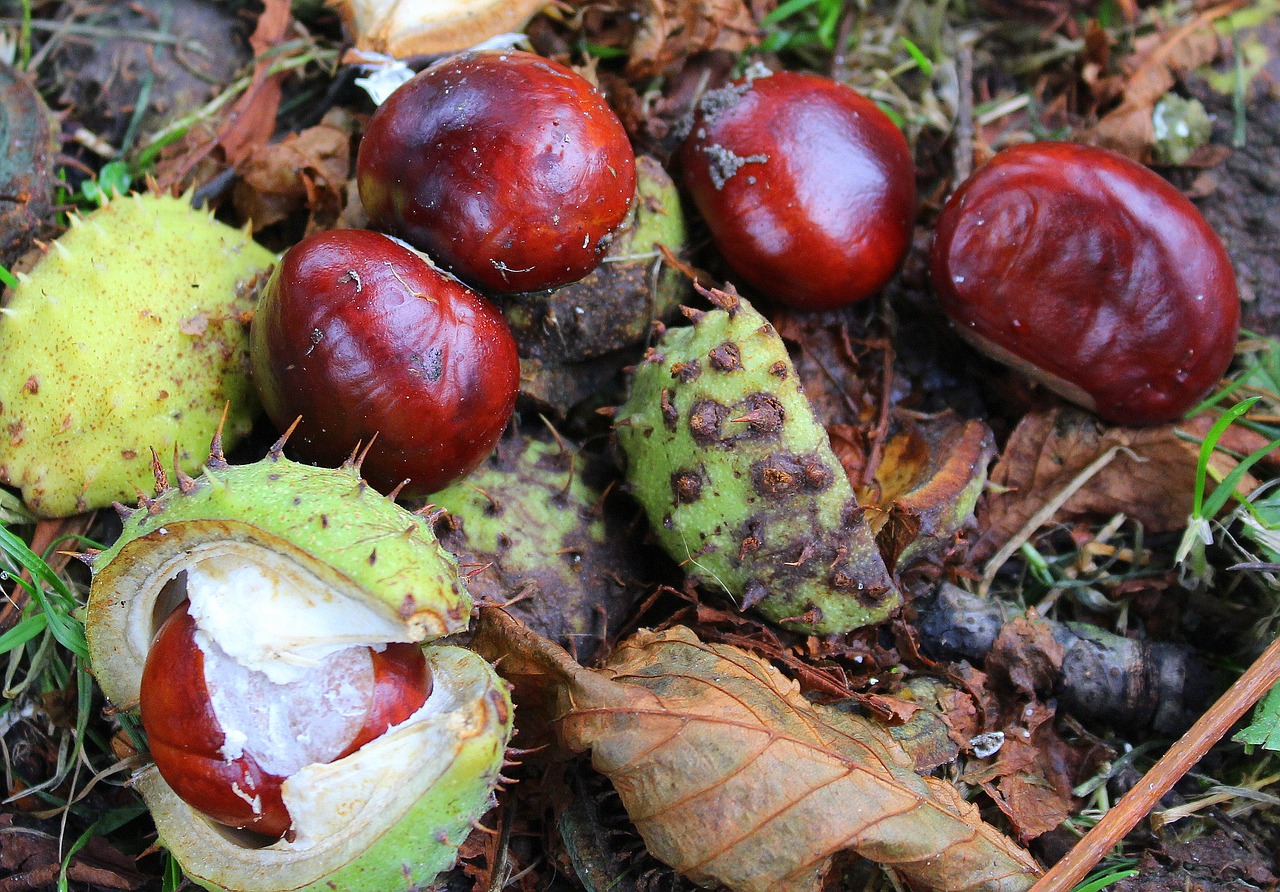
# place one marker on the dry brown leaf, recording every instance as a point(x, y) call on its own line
point(404, 28)
point(1152, 479)
point(1151, 71)
point(1031, 777)
point(308, 170)
point(253, 117)
point(733, 777)
point(671, 30)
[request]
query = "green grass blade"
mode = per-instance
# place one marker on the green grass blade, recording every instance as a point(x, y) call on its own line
point(1227, 488)
point(786, 10)
point(1210, 443)
point(65, 629)
point(921, 60)
point(23, 632)
point(1102, 882)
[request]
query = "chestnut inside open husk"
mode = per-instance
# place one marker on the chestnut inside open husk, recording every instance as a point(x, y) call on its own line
point(195, 698)
point(284, 567)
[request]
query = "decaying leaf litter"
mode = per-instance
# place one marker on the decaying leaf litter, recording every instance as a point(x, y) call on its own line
point(1075, 550)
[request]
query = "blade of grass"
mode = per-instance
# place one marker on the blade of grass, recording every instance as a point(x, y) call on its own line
point(786, 10)
point(65, 628)
point(23, 632)
point(1210, 443)
point(1227, 488)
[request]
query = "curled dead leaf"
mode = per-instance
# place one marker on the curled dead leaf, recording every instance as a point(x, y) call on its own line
point(1151, 479)
point(926, 485)
point(403, 28)
point(306, 169)
point(733, 777)
point(1150, 72)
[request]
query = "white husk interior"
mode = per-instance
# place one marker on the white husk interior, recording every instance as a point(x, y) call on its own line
point(286, 660)
point(323, 798)
point(272, 618)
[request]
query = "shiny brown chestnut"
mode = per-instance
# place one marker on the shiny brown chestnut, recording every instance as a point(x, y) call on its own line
point(191, 749)
point(807, 187)
point(508, 169)
point(1092, 274)
point(361, 337)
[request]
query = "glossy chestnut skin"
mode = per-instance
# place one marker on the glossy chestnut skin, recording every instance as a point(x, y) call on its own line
point(360, 337)
point(1091, 273)
point(508, 169)
point(807, 187)
point(184, 735)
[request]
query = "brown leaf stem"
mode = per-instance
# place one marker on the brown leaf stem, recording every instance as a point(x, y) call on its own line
point(1190, 748)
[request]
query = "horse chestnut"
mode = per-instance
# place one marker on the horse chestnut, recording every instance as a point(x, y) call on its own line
point(218, 767)
point(1092, 274)
point(807, 187)
point(509, 169)
point(360, 337)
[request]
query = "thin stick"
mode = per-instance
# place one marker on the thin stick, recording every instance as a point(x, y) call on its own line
point(963, 158)
point(1138, 802)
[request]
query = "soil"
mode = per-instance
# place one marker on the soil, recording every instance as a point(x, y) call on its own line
point(1240, 197)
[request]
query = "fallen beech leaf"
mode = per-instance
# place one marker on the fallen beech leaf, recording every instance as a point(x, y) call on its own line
point(253, 117)
point(1049, 449)
point(671, 30)
point(733, 777)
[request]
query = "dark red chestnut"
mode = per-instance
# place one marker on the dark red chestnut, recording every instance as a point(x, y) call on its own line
point(508, 169)
point(189, 744)
point(360, 336)
point(807, 187)
point(1091, 273)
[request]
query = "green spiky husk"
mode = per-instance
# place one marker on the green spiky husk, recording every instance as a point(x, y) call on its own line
point(534, 529)
point(127, 335)
point(739, 481)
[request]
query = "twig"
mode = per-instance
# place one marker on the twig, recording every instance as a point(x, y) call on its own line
point(963, 160)
point(1116, 823)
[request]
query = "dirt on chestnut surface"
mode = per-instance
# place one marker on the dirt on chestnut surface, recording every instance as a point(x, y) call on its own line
point(365, 342)
point(808, 188)
point(510, 170)
point(1091, 273)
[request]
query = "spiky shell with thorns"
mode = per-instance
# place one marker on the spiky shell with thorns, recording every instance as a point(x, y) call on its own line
point(127, 334)
point(331, 562)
